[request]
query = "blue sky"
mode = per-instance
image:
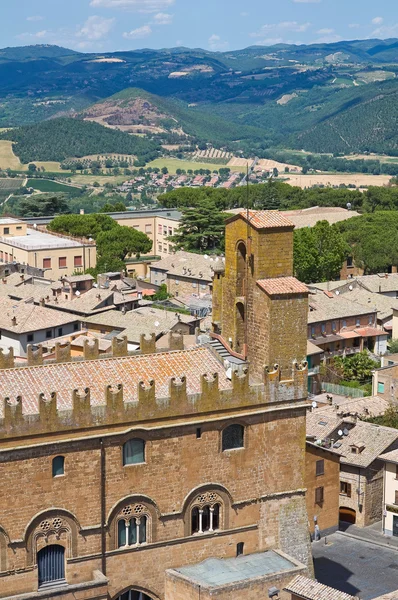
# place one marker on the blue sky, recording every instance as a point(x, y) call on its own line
point(105, 25)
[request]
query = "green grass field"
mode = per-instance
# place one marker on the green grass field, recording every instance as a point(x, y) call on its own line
point(47, 185)
point(173, 164)
point(10, 185)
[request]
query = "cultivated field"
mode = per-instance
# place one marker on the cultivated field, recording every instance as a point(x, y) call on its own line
point(173, 164)
point(212, 153)
point(332, 179)
point(8, 160)
point(101, 179)
point(47, 185)
point(10, 184)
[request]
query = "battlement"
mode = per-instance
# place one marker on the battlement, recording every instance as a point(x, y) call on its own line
point(63, 351)
point(145, 401)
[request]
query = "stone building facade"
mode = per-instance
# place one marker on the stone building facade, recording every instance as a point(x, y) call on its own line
point(117, 469)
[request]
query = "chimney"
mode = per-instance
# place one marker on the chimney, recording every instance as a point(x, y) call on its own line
point(22, 276)
point(14, 321)
point(42, 302)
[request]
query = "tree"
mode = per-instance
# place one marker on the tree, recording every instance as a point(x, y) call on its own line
point(42, 205)
point(319, 253)
point(165, 170)
point(357, 367)
point(32, 168)
point(162, 293)
point(120, 242)
point(83, 225)
point(393, 346)
point(201, 227)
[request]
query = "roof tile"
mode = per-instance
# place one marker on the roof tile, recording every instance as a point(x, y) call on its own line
point(282, 286)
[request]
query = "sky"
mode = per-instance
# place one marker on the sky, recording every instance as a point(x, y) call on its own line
point(217, 25)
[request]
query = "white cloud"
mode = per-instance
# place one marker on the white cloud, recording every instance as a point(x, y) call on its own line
point(377, 21)
point(35, 18)
point(385, 31)
point(216, 43)
point(139, 33)
point(144, 6)
point(95, 28)
point(325, 31)
point(329, 38)
point(38, 35)
point(162, 19)
point(281, 28)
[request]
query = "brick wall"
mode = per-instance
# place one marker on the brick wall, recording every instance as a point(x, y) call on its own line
point(327, 513)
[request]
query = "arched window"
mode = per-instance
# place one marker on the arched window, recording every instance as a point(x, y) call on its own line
point(205, 513)
point(134, 452)
point(132, 532)
point(58, 466)
point(51, 564)
point(233, 437)
point(134, 595)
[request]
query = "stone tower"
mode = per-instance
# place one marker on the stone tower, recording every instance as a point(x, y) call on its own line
point(259, 308)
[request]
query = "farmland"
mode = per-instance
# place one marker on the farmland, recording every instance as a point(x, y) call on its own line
point(173, 164)
point(331, 180)
point(10, 185)
point(47, 185)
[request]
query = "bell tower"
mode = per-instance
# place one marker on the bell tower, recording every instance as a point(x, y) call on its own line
point(259, 308)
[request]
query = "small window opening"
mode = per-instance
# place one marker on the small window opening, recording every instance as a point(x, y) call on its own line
point(239, 548)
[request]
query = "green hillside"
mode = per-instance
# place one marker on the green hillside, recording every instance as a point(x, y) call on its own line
point(59, 139)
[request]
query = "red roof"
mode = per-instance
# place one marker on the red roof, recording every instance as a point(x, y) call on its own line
point(370, 332)
point(282, 286)
point(264, 219)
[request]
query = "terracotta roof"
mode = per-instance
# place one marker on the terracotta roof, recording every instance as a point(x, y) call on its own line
point(309, 589)
point(348, 335)
point(308, 217)
point(29, 382)
point(264, 219)
point(282, 286)
point(30, 317)
point(145, 320)
point(370, 332)
point(391, 456)
point(378, 439)
point(77, 278)
point(384, 305)
point(179, 263)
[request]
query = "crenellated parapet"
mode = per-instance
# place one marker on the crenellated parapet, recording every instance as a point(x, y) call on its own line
point(7, 359)
point(289, 389)
point(148, 344)
point(176, 341)
point(119, 346)
point(91, 349)
point(35, 355)
point(147, 403)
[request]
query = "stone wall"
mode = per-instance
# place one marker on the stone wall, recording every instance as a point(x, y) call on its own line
point(327, 513)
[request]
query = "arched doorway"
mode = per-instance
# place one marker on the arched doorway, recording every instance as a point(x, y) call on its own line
point(240, 270)
point(134, 595)
point(51, 564)
point(347, 515)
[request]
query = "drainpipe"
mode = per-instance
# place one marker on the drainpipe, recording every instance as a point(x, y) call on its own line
point(103, 515)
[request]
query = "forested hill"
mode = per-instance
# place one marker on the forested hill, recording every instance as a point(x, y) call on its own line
point(59, 139)
point(369, 126)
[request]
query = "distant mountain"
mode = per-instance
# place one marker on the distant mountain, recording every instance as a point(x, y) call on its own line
point(137, 111)
point(249, 99)
point(35, 52)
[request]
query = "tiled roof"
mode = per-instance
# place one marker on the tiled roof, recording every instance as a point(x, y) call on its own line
point(391, 456)
point(282, 286)
point(77, 278)
point(29, 382)
point(30, 317)
point(313, 349)
point(376, 440)
point(264, 219)
point(145, 320)
point(180, 262)
point(308, 217)
point(325, 308)
point(309, 589)
point(381, 282)
point(384, 305)
point(86, 303)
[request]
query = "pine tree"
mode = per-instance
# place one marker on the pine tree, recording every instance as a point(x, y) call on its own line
point(201, 227)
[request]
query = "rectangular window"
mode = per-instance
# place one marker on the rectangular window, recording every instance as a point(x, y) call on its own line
point(349, 261)
point(159, 247)
point(164, 230)
point(48, 334)
point(396, 497)
point(319, 495)
point(170, 231)
point(59, 331)
point(6, 230)
point(194, 285)
point(370, 319)
point(312, 330)
point(76, 327)
point(320, 467)
point(160, 229)
point(334, 326)
point(357, 322)
point(62, 262)
point(380, 387)
point(31, 337)
point(78, 261)
point(344, 324)
point(46, 263)
point(323, 327)
point(345, 489)
point(18, 228)
point(177, 282)
point(148, 228)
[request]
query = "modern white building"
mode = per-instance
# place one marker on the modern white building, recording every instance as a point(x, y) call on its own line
point(390, 493)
